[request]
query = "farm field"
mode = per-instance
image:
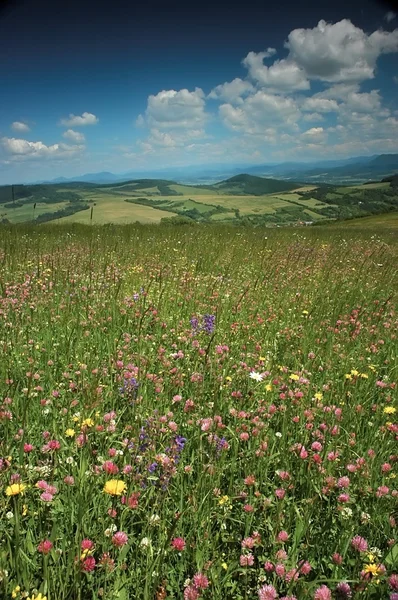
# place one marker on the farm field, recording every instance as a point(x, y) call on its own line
point(198, 412)
point(244, 199)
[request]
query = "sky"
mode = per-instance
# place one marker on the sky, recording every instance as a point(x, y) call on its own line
point(122, 86)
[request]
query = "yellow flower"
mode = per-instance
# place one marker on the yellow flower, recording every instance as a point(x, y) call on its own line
point(223, 500)
point(389, 410)
point(70, 432)
point(305, 312)
point(294, 377)
point(115, 487)
point(15, 489)
point(24, 510)
point(354, 372)
point(373, 569)
point(262, 358)
point(38, 597)
point(228, 378)
point(318, 396)
point(88, 423)
point(268, 387)
point(364, 376)
point(224, 566)
point(348, 376)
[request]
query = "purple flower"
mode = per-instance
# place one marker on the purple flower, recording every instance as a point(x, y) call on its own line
point(194, 323)
point(209, 323)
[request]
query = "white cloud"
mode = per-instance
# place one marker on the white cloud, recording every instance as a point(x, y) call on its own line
point(339, 52)
point(172, 109)
point(259, 112)
point(20, 149)
point(74, 136)
point(315, 135)
point(322, 105)
point(390, 16)
point(313, 117)
point(79, 121)
point(174, 139)
point(140, 121)
point(19, 126)
point(231, 91)
point(282, 75)
point(338, 91)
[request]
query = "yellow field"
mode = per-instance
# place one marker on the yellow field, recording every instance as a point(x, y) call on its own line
point(112, 209)
point(26, 212)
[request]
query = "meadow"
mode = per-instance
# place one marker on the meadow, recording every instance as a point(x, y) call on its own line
point(198, 412)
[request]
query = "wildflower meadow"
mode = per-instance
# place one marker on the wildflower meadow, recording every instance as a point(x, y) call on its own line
point(198, 413)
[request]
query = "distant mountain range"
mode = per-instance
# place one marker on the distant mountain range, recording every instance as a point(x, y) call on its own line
point(358, 169)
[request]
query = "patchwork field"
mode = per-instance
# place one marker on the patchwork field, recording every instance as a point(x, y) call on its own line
point(243, 199)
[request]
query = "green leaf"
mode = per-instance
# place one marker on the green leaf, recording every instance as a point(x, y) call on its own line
point(392, 557)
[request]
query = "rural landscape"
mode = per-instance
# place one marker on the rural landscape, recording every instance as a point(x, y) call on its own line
point(198, 300)
point(243, 199)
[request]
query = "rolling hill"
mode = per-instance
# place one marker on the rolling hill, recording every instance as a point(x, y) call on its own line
point(357, 169)
point(243, 199)
point(257, 186)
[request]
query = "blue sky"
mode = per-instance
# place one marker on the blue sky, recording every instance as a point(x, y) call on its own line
point(87, 87)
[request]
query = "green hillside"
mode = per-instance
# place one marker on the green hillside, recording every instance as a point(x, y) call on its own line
point(244, 200)
point(253, 185)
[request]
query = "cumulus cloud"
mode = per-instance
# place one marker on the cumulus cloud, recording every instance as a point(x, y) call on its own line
point(74, 136)
point(260, 112)
point(140, 121)
point(315, 135)
point(231, 91)
point(176, 109)
point(313, 117)
point(174, 139)
point(339, 52)
point(390, 16)
point(322, 105)
point(281, 75)
point(20, 149)
point(79, 121)
point(19, 126)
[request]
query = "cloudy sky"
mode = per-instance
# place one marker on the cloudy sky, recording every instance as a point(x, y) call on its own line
point(118, 86)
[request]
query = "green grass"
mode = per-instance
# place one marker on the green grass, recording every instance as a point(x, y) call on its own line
point(240, 384)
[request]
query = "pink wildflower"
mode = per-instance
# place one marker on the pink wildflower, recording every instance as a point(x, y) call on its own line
point(359, 543)
point(246, 560)
point(323, 593)
point(88, 564)
point(200, 581)
point(283, 536)
point(45, 546)
point(267, 592)
point(120, 539)
point(178, 543)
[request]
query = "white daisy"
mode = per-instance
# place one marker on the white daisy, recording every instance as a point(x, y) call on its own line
point(256, 376)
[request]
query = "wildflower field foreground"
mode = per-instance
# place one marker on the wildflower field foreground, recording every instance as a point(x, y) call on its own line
point(198, 413)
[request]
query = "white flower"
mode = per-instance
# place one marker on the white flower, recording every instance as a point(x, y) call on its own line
point(154, 519)
point(145, 542)
point(256, 376)
point(9, 514)
point(278, 434)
